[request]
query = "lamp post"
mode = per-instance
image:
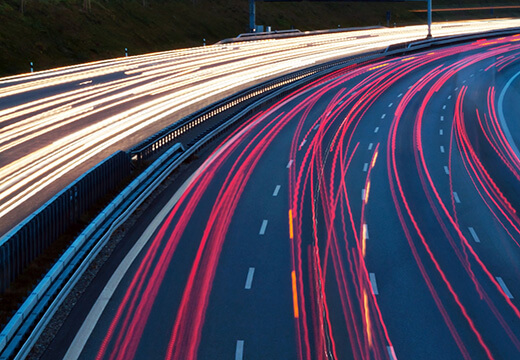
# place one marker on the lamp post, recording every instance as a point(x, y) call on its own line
point(429, 36)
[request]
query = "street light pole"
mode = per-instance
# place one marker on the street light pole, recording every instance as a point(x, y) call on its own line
point(252, 16)
point(429, 19)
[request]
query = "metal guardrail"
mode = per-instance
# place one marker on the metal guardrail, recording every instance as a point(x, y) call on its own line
point(35, 234)
point(124, 205)
point(61, 278)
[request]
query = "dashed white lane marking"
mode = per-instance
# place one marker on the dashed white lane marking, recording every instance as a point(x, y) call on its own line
point(442, 149)
point(441, 132)
point(400, 94)
point(442, 118)
point(303, 143)
point(456, 197)
point(376, 130)
point(316, 127)
point(464, 81)
point(365, 167)
point(85, 82)
point(474, 234)
point(239, 351)
point(481, 69)
point(444, 107)
point(370, 146)
point(289, 164)
point(456, 88)
point(365, 231)
point(409, 87)
point(472, 75)
point(383, 116)
point(363, 195)
point(373, 281)
point(276, 190)
point(390, 105)
point(446, 170)
point(504, 287)
point(391, 353)
point(249, 279)
point(449, 97)
point(263, 227)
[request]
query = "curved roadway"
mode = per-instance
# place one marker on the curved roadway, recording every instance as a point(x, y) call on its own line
point(369, 215)
point(54, 125)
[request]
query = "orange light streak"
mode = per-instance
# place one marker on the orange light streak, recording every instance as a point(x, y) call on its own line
point(295, 296)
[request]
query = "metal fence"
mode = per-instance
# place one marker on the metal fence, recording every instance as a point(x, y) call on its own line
point(35, 234)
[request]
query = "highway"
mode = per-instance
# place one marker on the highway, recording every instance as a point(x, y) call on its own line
point(56, 124)
point(369, 215)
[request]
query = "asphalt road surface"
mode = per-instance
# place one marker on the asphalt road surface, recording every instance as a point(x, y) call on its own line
point(57, 124)
point(369, 215)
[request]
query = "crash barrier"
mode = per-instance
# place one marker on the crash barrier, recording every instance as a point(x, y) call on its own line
point(62, 277)
point(20, 246)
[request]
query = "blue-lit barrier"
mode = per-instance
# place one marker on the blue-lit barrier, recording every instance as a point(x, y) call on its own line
point(36, 233)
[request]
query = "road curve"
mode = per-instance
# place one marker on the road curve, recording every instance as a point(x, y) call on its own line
point(56, 124)
point(369, 215)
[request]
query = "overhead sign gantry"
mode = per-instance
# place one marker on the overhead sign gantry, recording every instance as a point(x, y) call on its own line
point(252, 10)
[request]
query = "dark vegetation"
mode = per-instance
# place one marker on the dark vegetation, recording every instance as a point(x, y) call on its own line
point(54, 33)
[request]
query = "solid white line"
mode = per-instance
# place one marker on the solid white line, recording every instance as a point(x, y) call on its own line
point(442, 149)
point(390, 105)
point(249, 279)
point(303, 142)
point(289, 164)
point(263, 227)
point(449, 97)
point(502, 118)
point(444, 107)
point(383, 116)
point(504, 287)
point(376, 130)
point(456, 196)
point(391, 353)
point(239, 352)
point(474, 234)
point(363, 195)
point(365, 167)
point(441, 132)
point(276, 190)
point(442, 118)
point(373, 281)
point(83, 334)
point(446, 170)
point(370, 146)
